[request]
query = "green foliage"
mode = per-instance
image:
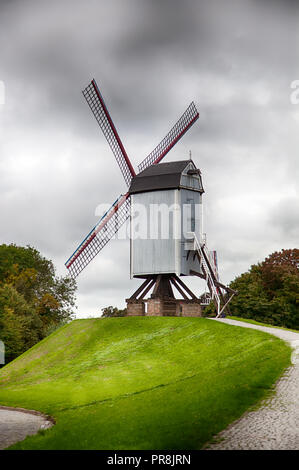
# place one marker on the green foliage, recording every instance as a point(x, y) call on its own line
point(113, 312)
point(269, 291)
point(33, 300)
point(142, 382)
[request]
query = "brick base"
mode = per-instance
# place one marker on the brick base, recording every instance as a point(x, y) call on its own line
point(154, 307)
point(135, 308)
point(160, 307)
point(191, 309)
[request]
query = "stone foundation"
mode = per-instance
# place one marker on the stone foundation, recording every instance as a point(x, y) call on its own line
point(164, 307)
point(135, 308)
point(191, 309)
point(154, 307)
point(162, 301)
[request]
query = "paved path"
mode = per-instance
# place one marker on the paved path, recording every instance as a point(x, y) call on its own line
point(275, 425)
point(16, 425)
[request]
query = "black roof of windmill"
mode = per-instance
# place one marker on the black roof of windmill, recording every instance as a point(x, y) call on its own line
point(151, 176)
point(166, 176)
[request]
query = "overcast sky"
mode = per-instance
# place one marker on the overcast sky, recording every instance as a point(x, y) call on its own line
point(150, 58)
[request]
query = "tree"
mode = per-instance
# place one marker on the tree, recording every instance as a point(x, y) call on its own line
point(277, 267)
point(33, 300)
point(113, 312)
point(269, 291)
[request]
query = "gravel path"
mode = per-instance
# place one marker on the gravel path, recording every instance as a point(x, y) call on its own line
point(16, 424)
point(275, 425)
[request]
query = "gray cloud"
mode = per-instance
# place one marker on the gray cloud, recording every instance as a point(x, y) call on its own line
point(150, 59)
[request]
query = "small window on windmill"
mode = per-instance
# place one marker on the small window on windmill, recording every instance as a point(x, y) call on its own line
point(191, 178)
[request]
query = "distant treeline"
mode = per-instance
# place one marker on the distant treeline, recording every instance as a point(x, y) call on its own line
point(269, 291)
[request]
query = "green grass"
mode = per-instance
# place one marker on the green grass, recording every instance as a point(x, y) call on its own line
point(247, 320)
point(142, 383)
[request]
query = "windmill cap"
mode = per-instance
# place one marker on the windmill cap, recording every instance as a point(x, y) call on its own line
point(166, 176)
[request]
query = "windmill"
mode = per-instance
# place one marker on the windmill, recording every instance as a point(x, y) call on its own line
point(176, 181)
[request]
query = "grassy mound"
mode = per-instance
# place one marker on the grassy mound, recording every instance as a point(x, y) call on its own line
point(142, 383)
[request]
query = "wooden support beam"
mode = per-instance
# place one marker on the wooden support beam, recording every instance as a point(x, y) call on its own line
point(195, 273)
point(140, 289)
point(209, 266)
point(158, 282)
point(179, 289)
point(185, 287)
point(169, 288)
point(217, 283)
point(152, 282)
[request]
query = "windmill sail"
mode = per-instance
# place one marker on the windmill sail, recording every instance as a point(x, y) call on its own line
point(100, 235)
point(174, 135)
point(110, 223)
point(97, 105)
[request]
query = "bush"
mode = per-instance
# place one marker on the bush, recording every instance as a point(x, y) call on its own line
point(113, 312)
